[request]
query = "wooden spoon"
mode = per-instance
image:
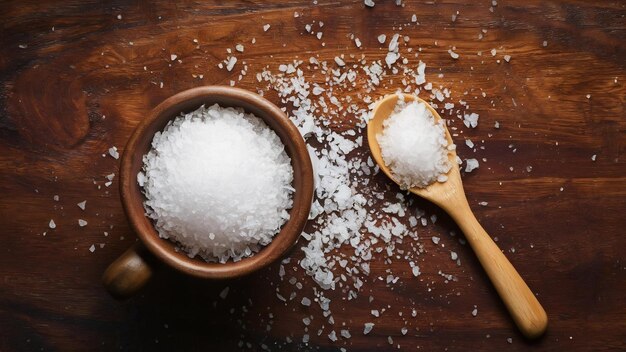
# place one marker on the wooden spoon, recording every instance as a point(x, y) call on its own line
point(522, 304)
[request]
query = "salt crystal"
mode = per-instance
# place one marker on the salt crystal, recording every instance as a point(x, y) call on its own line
point(51, 224)
point(475, 311)
point(339, 61)
point(593, 157)
point(92, 248)
point(306, 302)
point(369, 3)
point(453, 255)
point(414, 18)
point(224, 292)
point(435, 239)
point(416, 271)
point(82, 223)
point(510, 340)
point(239, 48)
point(471, 164)
point(113, 152)
point(173, 57)
point(332, 336)
point(507, 58)
point(266, 27)
point(368, 327)
point(82, 204)
point(231, 63)
point(382, 38)
point(453, 54)
point(375, 313)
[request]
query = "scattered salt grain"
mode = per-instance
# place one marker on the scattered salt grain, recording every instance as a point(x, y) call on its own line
point(368, 327)
point(82, 223)
point(173, 57)
point(114, 153)
point(92, 248)
point(217, 182)
point(382, 38)
point(369, 3)
point(414, 146)
point(475, 311)
point(239, 48)
point(266, 27)
point(593, 157)
point(471, 164)
point(51, 224)
point(224, 292)
point(82, 205)
point(507, 58)
point(509, 340)
point(435, 239)
point(453, 54)
point(339, 61)
point(306, 302)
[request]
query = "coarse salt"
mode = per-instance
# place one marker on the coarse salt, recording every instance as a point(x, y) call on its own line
point(414, 145)
point(217, 182)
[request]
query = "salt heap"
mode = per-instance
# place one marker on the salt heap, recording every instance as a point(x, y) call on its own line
point(217, 182)
point(414, 145)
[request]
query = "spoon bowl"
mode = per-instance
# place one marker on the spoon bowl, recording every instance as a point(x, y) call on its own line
point(527, 312)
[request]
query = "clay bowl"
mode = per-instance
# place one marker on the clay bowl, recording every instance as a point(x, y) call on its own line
point(133, 269)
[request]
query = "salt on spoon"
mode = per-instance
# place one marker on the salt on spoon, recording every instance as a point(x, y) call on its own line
point(527, 312)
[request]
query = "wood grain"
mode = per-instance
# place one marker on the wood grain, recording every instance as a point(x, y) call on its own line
point(68, 94)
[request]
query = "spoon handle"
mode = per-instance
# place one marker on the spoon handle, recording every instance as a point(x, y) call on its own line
point(522, 304)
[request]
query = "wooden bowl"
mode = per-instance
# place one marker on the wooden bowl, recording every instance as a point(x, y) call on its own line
point(133, 269)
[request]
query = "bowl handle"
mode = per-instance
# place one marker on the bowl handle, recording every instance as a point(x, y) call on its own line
point(129, 273)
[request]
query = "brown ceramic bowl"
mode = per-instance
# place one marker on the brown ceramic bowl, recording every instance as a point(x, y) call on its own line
point(133, 269)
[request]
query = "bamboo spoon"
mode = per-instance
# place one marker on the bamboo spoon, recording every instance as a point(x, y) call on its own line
point(522, 304)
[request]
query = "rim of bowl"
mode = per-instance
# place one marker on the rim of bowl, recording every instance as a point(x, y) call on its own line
point(186, 101)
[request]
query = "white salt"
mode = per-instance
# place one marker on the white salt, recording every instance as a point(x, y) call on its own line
point(414, 145)
point(368, 327)
point(218, 183)
point(82, 223)
point(471, 164)
point(113, 152)
point(51, 224)
point(82, 205)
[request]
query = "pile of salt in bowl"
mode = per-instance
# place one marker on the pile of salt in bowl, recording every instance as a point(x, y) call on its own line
point(414, 145)
point(217, 182)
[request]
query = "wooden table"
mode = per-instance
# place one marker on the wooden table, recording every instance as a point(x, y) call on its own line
point(73, 84)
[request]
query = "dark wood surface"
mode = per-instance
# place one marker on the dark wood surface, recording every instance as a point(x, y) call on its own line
point(68, 94)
